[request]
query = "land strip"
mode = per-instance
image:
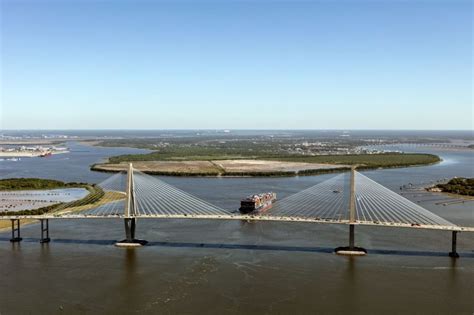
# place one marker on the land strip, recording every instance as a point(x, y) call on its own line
point(269, 166)
point(458, 186)
point(220, 167)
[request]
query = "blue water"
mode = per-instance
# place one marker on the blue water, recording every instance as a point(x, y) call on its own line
point(70, 167)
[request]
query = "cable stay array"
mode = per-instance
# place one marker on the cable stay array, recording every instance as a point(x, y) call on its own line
point(378, 204)
point(107, 200)
point(154, 197)
point(328, 200)
point(117, 182)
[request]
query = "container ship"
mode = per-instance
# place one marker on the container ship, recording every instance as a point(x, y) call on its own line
point(257, 203)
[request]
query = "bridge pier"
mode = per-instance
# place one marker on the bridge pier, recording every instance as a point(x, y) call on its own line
point(44, 231)
point(130, 225)
point(351, 250)
point(351, 236)
point(130, 240)
point(453, 253)
point(15, 231)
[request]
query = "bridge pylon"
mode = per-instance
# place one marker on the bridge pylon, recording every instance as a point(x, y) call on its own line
point(351, 250)
point(130, 213)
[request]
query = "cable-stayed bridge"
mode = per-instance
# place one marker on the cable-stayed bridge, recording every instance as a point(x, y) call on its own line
point(348, 198)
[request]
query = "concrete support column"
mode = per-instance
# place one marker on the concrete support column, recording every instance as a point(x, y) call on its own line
point(130, 240)
point(454, 239)
point(130, 224)
point(16, 237)
point(351, 236)
point(44, 231)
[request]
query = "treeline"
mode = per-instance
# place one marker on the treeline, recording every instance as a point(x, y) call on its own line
point(460, 186)
point(323, 171)
point(39, 211)
point(35, 183)
point(367, 160)
point(176, 173)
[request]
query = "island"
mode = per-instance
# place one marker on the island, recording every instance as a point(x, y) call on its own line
point(458, 186)
point(265, 153)
point(263, 165)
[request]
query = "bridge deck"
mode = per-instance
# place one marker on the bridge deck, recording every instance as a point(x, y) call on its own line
point(247, 218)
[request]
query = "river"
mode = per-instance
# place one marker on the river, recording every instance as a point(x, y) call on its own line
point(217, 267)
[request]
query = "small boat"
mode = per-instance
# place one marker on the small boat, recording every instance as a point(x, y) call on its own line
point(46, 154)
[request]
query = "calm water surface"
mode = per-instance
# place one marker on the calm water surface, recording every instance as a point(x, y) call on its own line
point(216, 267)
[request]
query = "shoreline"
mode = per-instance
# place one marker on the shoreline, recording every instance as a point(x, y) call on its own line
point(18, 154)
point(7, 227)
point(466, 197)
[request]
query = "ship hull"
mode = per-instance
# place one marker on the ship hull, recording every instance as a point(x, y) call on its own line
point(266, 206)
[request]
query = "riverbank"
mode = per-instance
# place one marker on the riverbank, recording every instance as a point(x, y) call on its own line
point(447, 194)
point(29, 154)
point(5, 225)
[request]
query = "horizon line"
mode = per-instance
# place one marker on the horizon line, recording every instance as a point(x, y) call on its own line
point(232, 129)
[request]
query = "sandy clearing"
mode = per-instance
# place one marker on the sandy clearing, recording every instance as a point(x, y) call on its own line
point(165, 166)
point(270, 166)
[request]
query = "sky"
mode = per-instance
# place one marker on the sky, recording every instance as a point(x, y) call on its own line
point(143, 64)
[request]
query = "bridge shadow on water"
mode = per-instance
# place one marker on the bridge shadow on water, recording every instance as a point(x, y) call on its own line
point(283, 248)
